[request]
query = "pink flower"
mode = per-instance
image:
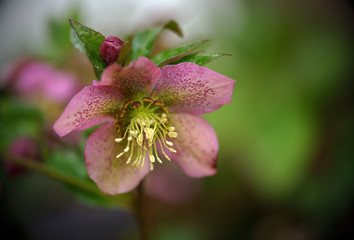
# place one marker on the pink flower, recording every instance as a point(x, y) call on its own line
point(35, 79)
point(168, 184)
point(21, 147)
point(150, 113)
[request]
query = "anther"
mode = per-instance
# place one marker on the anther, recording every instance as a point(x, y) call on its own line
point(119, 155)
point(147, 99)
point(140, 138)
point(164, 118)
point(165, 109)
point(152, 158)
point(172, 150)
point(158, 103)
point(172, 134)
point(158, 159)
point(122, 113)
point(127, 104)
point(137, 104)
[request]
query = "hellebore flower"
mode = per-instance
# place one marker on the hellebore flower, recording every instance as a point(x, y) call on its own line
point(150, 113)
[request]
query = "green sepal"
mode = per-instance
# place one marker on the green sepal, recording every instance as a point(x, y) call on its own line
point(91, 42)
point(125, 54)
point(173, 55)
point(143, 42)
point(200, 60)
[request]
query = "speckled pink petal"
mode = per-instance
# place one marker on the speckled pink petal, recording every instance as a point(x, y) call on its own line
point(135, 81)
point(187, 87)
point(111, 175)
point(91, 106)
point(108, 75)
point(196, 144)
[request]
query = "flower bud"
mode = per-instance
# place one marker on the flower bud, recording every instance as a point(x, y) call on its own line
point(110, 49)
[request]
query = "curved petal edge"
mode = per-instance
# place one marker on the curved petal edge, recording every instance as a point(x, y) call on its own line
point(112, 175)
point(188, 87)
point(196, 145)
point(91, 106)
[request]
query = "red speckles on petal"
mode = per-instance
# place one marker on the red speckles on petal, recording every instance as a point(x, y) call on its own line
point(91, 106)
point(188, 87)
point(197, 145)
point(138, 79)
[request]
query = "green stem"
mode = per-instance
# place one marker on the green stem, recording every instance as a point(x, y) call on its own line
point(123, 200)
point(139, 210)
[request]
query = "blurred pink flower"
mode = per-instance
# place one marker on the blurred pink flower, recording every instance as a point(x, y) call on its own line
point(25, 147)
point(145, 108)
point(40, 79)
point(168, 184)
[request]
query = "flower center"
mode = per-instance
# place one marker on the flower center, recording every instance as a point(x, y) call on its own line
point(143, 125)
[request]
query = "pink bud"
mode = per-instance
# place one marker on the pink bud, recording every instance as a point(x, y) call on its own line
point(110, 49)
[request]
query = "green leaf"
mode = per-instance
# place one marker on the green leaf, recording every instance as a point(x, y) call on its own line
point(173, 55)
point(200, 60)
point(71, 163)
point(18, 119)
point(92, 41)
point(143, 42)
point(76, 41)
point(173, 26)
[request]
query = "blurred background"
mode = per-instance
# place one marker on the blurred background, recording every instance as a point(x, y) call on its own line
point(285, 166)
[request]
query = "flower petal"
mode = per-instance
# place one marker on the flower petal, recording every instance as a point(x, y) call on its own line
point(196, 145)
point(136, 80)
point(187, 87)
point(107, 78)
point(111, 175)
point(91, 106)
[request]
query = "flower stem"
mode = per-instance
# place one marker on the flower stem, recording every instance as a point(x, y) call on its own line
point(139, 210)
point(122, 200)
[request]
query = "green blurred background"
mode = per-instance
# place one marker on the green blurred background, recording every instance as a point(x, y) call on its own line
point(286, 140)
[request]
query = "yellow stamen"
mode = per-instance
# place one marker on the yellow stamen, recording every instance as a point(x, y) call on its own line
point(144, 124)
